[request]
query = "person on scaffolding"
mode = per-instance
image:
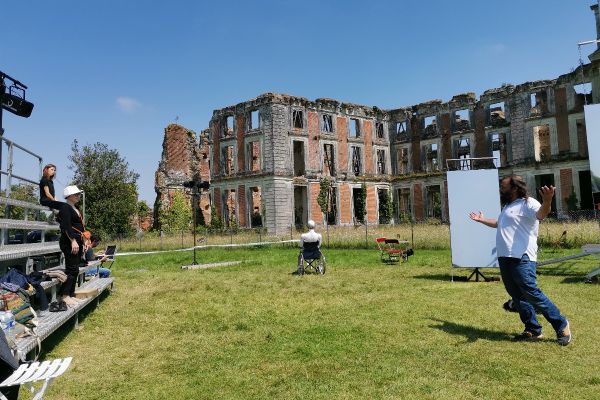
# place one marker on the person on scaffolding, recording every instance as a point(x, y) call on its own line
point(47, 196)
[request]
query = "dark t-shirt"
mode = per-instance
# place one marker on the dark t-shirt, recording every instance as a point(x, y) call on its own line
point(46, 182)
point(89, 255)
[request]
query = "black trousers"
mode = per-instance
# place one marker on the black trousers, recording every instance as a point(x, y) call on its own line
point(11, 392)
point(57, 205)
point(72, 263)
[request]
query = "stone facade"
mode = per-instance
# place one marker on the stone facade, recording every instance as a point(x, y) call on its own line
point(274, 149)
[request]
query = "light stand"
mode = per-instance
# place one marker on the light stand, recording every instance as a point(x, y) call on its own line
point(195, 186)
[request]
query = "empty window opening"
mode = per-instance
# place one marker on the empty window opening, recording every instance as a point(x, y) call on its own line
point(227, 160)
point(230, 207)
point(583, 94)
point(379, 130)
point(544, 180)
point(586, 197)
point(356, 161)
point(354, 128)
point(430, 126)
point(381, 162)
point(434, 202)
point(385, 208)
point(254, 120)
point(328, 160)
point(402, 161)
point(539, 103)
point(404, 206)
point(431, 158)
point(496, 147)
point(298, 119)
point(331, 212)
point(253, 155)
point(299, 168)
point(358, 198)
point(463, 152)
point(462, 120)
point(327, 123)
point(228, 128)
point(582, 138)
point(256, 220)
point(541, 142)
point(300, 206)
point(497, 114)
point(401, 128)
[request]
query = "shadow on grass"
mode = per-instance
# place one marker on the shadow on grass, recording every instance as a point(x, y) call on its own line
point(457, 278)
point(469, 332)
point(439, 277)
point(576, 279)
point(67, 327)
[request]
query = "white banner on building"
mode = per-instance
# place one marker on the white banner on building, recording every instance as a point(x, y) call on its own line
point(592, 128)
point(473, 244)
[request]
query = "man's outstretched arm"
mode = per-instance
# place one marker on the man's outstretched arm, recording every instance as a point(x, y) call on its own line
point(492, 223)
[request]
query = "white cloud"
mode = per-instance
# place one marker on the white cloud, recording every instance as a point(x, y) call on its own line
point(128, 104)
point(497, 49)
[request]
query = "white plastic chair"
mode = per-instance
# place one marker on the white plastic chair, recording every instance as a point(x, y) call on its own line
point(28, 374)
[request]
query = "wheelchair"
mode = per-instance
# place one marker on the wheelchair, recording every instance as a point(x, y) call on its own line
point(311, 259)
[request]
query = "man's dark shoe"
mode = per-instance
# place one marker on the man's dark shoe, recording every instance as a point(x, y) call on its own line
point(564, 337)
point(527, 336)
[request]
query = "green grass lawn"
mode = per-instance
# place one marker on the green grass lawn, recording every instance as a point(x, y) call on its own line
point(365, 330)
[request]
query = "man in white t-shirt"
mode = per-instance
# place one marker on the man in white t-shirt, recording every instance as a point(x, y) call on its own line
point(516, 246)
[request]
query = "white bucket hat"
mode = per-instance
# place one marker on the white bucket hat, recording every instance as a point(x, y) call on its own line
point(71, 190)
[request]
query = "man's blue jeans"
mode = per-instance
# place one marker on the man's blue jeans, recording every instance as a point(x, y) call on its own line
point(519, 279)
point(102, 272)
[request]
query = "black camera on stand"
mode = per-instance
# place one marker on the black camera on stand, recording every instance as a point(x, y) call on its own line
point(199, 184)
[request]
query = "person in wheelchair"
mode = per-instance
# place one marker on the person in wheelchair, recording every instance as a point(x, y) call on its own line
point(310, 256)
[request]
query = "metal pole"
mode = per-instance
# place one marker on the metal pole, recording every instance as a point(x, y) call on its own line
point(328, 208)
point(83, 206)
point(2, 91)
point(194, 219)
point(365, 219)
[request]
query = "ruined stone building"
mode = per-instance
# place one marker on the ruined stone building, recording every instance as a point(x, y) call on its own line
point(184, 157)
point(266, 156)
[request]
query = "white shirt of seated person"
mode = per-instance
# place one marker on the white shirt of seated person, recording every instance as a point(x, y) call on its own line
point(311, 236)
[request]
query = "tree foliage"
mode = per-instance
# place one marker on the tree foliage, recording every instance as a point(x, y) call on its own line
point(143, 209)
point(572, 201)
point(323, 199)
point(110, 187)
point(177, 216)
point(360, 204)
point(215, 222)
point(26, 192)
point(386, 207)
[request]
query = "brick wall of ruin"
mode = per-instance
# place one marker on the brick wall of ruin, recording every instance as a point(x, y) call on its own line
point(184, 157)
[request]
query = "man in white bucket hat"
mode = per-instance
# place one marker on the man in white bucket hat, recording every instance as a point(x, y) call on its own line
point(71, 242)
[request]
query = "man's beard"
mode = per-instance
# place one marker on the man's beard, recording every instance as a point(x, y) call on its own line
point(505, 198)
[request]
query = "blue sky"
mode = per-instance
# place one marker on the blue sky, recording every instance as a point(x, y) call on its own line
point(118, 72)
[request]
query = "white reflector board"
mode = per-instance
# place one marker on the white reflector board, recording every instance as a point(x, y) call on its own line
point(473, 244)
point(592, 129)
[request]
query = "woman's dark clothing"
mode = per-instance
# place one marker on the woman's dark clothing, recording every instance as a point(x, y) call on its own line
point(45, 201)
point(71, 226)
point(43, 183)
point(8, 364)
